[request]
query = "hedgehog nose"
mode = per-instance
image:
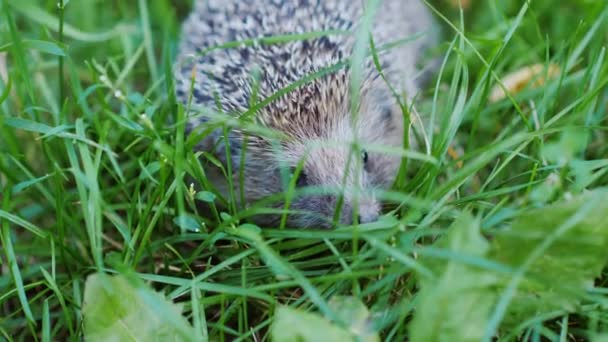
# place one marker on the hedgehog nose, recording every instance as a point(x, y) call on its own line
point(368, 218)
point(368, 212)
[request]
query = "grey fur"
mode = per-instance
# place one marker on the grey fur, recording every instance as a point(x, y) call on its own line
point(317, 110)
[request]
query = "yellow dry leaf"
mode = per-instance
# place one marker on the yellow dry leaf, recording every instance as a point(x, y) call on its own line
point(466, 4)
point(518, 80)
point(455, 154)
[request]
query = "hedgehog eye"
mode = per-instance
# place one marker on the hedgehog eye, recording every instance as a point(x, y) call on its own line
point(364, 156)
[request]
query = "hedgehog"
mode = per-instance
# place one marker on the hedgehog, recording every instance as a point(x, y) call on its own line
point(228, 64)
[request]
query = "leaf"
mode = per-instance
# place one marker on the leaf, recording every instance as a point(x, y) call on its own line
point(28, 183)
point(298, 326)
point(23, 223)
point(353, 311)
point(573, 141)
point(516, 81)
point(149, 170)
point(46, 46)
point(225, 216)
point(600, 338)
point(7, 89)
point(126, 123)
point(187, 222)
point(568, 265)
point(206, 196)
point(136, 98)
point(585, 172)
point(550, 256)
point(15, 272)
point(546, 191)
point(40, 45)
point(121, 308)
point(27, 125)
point(455, 304)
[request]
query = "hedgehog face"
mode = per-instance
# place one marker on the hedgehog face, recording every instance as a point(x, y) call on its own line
point(318, 120)
point(330, 168)
point(354, 175)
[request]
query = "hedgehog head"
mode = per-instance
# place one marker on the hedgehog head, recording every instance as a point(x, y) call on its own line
point(322, 129)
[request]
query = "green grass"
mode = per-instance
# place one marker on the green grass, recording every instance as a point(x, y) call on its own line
point(94, 170)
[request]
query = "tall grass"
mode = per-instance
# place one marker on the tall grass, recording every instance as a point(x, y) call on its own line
point(94, 170)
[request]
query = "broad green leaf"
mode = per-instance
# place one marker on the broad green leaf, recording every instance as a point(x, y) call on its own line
point(149, 170)
point(187, 222)
point(547, 190)
point(356, 314)
point(600, 338)
point(136, 98)
point(544, 261)
point(291, 325)
point(225, 216)
point(455, 304)
point(572, 142)
point(577, 230)
point(121, 308)
point(206, 196)
point(585, 172)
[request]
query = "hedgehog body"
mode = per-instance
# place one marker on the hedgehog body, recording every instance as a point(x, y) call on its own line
point(259, 77)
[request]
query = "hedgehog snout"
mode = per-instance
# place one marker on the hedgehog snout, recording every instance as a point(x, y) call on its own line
point(369, 211)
